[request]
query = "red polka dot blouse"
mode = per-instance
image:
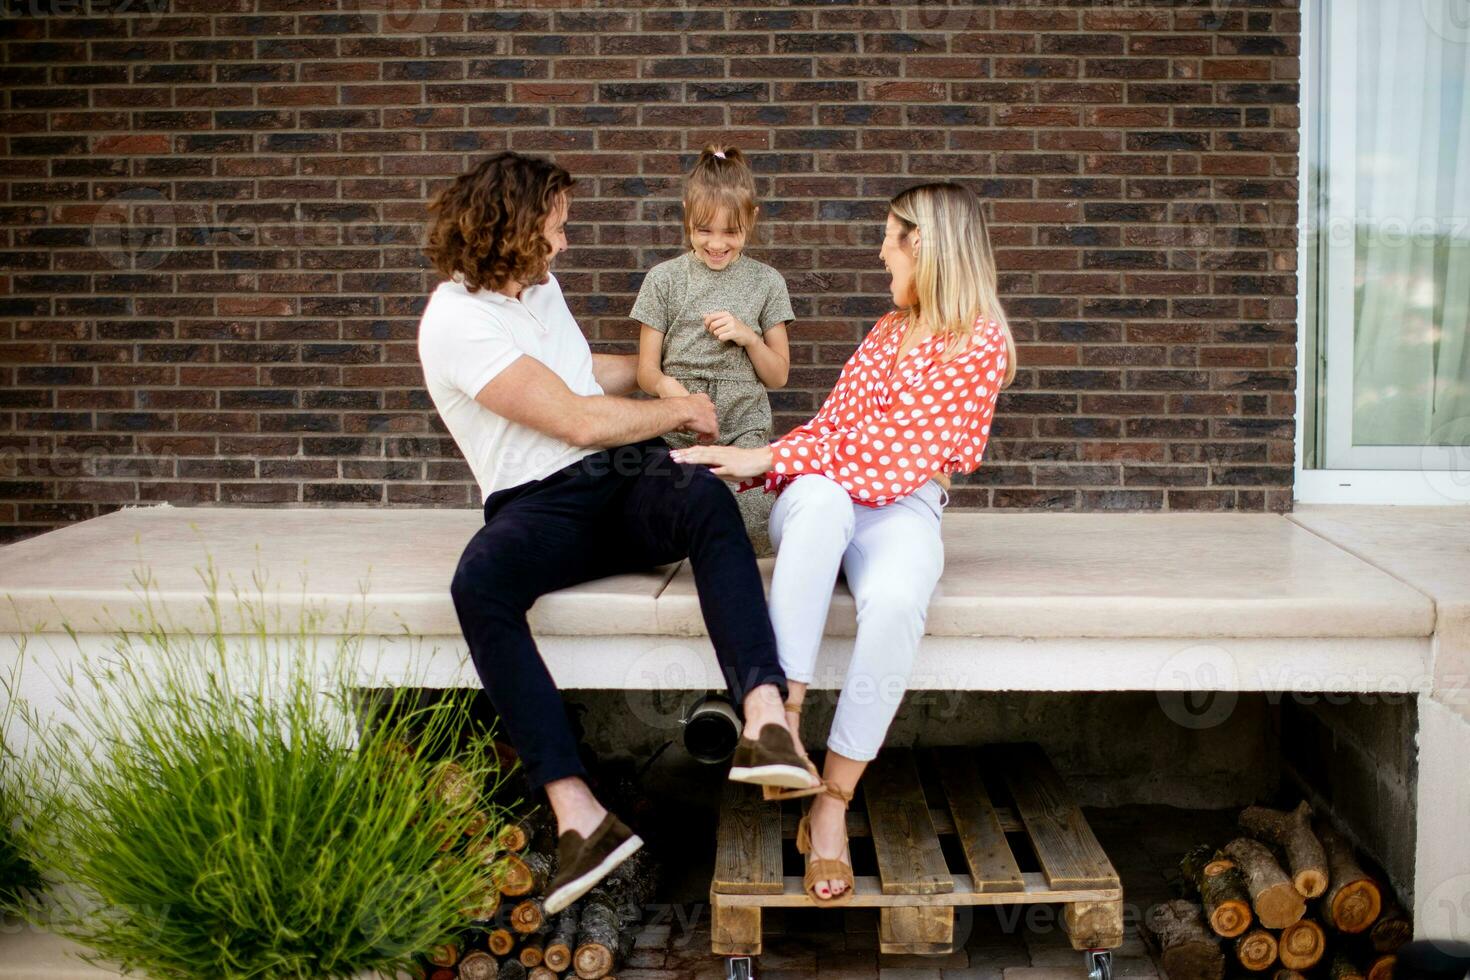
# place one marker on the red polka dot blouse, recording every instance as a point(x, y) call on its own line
point(887, 429)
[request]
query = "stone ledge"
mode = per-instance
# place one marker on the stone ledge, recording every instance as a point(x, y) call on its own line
point(1029, 575)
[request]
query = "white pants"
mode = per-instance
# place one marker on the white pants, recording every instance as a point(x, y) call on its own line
point(892, 557)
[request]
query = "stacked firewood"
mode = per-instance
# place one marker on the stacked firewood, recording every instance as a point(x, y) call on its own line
point(514, 939)
point(1287, 898)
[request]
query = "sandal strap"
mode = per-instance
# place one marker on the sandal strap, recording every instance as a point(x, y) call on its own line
point(794, 707)
point(823, 869)
point(832, 789)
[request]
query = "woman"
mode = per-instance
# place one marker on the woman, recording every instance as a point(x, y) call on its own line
point(862, 487)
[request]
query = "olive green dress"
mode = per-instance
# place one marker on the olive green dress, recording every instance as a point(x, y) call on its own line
point(673, 300)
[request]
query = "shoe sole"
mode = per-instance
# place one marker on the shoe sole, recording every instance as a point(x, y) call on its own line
point(577, 887)
point(779, 775)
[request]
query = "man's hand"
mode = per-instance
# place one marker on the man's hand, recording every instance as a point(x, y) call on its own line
point(728, 462)
point(724, 325)
point(702, 420)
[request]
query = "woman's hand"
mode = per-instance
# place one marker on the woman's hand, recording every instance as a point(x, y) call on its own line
point(724, 325)
point(727, 462)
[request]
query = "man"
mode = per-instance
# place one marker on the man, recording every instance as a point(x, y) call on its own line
point(576, 485)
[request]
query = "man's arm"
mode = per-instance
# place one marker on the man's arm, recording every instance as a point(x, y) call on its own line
point(532, 394)
point(617, 374)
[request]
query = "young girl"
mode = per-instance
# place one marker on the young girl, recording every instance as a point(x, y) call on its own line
point(714, 320)
point(864, 484)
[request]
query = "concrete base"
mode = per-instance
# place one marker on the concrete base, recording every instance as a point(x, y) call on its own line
point(1364, 601)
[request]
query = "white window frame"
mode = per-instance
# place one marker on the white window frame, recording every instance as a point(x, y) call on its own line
point(1410, 484)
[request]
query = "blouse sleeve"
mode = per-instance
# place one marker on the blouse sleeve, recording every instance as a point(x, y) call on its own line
point(824, 421)
point(888, 457)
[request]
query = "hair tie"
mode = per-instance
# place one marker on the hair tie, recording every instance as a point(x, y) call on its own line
point(720, 154)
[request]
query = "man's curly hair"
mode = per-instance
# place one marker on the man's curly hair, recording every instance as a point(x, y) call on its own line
point(488, 225)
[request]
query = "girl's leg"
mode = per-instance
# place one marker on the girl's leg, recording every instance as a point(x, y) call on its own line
point(892, 567)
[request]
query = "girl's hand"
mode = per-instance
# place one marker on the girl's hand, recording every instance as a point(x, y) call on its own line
point(727, 462)
point(724, 325)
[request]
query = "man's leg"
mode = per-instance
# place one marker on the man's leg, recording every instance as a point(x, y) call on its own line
point(670, 512)
point(535, 543)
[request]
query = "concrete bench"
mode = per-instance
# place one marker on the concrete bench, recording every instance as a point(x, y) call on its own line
point(1328, 599)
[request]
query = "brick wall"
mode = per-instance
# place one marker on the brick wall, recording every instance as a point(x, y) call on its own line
point(210, 277)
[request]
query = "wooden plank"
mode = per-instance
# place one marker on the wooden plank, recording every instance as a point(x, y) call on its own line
point(916, 930)
point(982, 838)
point(857, 822)
point(910, 861)
point(1065, 846)
point(748, 848)
point(1094, 925)
point(734, 930)
point(869, 894)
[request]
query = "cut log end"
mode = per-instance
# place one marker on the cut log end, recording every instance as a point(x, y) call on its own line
point(1256, 950)
point(1302, 945)
point(1187, 950)
point(1382, 967)
point(478, 965)
point(592, 961)
point(1356, 905)
point(500, 941)
point(527, 917)
point(1231, 918)
point(1309, 882)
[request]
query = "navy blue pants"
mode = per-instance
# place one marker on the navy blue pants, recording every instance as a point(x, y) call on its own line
point(618, 510)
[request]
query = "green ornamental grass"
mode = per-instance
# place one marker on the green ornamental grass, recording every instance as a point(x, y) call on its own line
point(230, 810)
point(18, 878)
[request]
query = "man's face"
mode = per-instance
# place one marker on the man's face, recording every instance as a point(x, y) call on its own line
point(555, 228)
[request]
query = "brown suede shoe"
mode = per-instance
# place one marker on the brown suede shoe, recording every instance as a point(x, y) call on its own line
point(771, 760)
point(582, 863)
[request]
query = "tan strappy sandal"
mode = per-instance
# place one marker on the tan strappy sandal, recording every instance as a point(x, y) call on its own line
point(819, 868)
point(778, 793)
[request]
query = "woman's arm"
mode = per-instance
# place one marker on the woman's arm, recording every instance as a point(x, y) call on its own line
point(651, 377)
point(886, 457)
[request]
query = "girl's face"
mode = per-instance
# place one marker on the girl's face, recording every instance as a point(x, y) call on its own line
point(897, 254)
point(717, 242)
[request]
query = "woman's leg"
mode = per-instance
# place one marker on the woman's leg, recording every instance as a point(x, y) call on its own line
point(811, 525)
point(892, 567)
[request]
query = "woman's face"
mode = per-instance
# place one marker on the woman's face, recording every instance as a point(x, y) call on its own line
point(897, 254)
point(718, 241)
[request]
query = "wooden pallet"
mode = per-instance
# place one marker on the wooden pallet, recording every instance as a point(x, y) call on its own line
point(1015, 836)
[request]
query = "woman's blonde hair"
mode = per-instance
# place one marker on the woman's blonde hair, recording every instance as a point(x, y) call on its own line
point(720, 179)
point(954, 267)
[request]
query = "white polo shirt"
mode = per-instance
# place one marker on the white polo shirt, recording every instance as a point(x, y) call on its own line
point(466, 339)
